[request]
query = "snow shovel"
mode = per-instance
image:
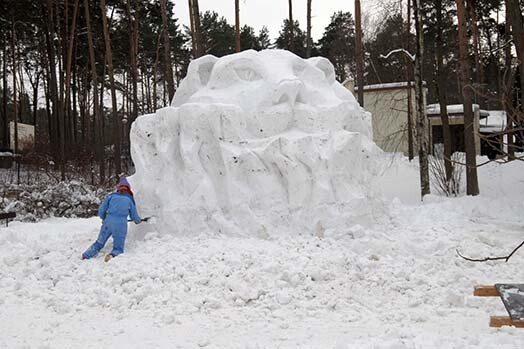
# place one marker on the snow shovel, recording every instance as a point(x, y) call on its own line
point(146, 219)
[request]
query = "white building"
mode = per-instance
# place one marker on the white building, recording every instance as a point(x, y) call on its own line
point(388, 104)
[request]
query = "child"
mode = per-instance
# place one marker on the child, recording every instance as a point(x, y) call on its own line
point(114, 211)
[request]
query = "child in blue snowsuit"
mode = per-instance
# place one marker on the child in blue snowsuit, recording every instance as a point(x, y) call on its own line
point(114, 211)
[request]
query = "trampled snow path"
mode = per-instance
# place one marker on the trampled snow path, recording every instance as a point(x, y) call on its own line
point(395, 285)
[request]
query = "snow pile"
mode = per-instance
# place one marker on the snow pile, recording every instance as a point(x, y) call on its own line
point(395, 285)
point(253, 142)
point(33, 202)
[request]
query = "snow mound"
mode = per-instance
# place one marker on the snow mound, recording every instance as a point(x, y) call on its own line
point(252, 142)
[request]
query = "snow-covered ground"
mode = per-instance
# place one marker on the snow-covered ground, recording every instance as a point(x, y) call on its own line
point(278, 224)
point(397, 283)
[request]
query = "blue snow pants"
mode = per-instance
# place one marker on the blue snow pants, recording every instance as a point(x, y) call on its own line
point(110, 228)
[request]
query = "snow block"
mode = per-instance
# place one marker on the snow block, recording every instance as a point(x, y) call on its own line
point(254, 142)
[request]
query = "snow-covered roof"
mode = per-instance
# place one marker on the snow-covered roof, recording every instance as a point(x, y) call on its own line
point(388, 86)
point(434, 109)
point(495, 121)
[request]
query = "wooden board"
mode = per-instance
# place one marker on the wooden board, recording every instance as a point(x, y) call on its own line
point(486, 291)
point(7, 215)
point(499, 321)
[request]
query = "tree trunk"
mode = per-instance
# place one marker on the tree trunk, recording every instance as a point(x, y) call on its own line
point(13, 57)
point(35, 96)
point(69, 59)
point(134, 64)
point(237, 25)
point(5, 130)
point(517, 30)
point(48, 110)
point(409, 78)
point(359, 53)
point(62, 49)
point(476, 42)
point(117, 124)
point(198, 33)
point(53, 85)
point(472, 187)
point(74, 92)
point(192, 26)
point(74, 104)
point(97, 117)
point(85, 119)
point(507, 89)
point(168, 67)
point(441, 90)
point(133, 26)
point(308, 30)
point(422, 135)
point(155, 71)
point(291, 28)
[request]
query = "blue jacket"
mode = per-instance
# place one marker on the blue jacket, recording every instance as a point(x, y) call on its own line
point(116, 207)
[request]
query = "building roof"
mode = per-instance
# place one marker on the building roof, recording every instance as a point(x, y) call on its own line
point(454, 109)
point(495, 122)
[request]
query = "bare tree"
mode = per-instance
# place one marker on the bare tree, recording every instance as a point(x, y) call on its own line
point(13, 61)
point(441, 89)
point(168, 68)
point(237, 25)
point(56, 111)
point(291, 27)
point(192, 27)
point(4, 133)
point(409, 78)
point(134, 53)
point(472, 187)
point(422, 137)
point(476, 41)
point(308, 30)
point(98, 136)
point(198, 33)
point(507, 88)
point(359, 53)
point(513, 7)
point(117, 122)
point(69, 59)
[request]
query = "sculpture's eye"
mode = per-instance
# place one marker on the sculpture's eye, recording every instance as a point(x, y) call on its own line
point(247, 74)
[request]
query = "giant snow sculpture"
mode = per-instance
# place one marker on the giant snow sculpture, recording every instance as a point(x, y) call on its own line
point(254, 143)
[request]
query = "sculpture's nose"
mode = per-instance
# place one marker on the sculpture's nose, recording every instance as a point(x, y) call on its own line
point(287, 92)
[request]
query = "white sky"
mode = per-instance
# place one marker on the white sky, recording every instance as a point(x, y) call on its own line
point(270, 13)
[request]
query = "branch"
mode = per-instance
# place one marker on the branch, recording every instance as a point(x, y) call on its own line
point(505, 258)
point(502, 47)
point(399, 50)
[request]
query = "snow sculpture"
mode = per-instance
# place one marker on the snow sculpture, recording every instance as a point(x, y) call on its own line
point(254, 143)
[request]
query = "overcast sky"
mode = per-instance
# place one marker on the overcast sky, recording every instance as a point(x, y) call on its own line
point(270, 13)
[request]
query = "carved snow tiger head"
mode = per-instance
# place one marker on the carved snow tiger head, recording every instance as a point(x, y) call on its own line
point(276, 90)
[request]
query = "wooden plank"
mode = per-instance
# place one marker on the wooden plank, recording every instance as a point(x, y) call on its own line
point(6, 215)
point(499, 321)
point(486, 291)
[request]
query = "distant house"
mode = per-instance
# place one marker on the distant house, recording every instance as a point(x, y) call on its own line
point(487, 126)
point(388, 105)
point(456, 125)
point(491, 132)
